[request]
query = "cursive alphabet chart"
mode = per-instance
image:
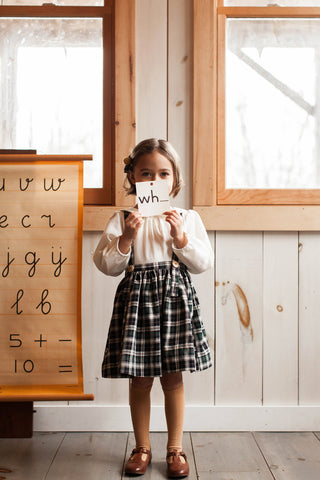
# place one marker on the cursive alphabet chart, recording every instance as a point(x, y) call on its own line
point(40, 276)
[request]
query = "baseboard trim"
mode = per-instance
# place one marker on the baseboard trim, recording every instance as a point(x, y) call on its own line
point(197, 418)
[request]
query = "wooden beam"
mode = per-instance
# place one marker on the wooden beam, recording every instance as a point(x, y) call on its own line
point(276, 218)
point(204, 132)
point(125, 121)
point(229, 217)
point(270, 12)
point(268, 196)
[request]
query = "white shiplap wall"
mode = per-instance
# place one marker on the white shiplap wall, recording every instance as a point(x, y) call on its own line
point(266, 341)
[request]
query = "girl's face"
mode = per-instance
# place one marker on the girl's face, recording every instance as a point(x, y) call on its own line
point(151, 167)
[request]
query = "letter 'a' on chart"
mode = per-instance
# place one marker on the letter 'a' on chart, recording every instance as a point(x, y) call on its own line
point(152, 197)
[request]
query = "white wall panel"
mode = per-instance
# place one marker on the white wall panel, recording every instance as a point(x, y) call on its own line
point(280, 318)
point(180, 37)
point(309, 318)
point(151, 69)
point(238, 318)
point(199, 386)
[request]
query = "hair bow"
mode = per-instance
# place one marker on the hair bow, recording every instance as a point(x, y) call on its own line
point(127, 163)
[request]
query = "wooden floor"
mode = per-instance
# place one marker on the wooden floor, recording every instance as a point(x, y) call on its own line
point(214, 456)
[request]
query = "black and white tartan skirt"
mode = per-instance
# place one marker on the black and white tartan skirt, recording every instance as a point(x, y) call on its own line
point(156, 326)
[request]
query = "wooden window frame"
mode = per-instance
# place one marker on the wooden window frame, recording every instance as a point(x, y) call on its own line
point(118, 19)
point(220, 208)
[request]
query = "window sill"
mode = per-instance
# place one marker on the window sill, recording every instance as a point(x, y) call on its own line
point(238, 218)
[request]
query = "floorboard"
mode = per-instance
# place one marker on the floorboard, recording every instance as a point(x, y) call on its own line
point(293, 455)
point(84, 456)
point(226, 456)
point(28, 458)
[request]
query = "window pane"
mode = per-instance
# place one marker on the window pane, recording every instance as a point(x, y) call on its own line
point(51, 88)
point(273, 103)
point(74, 3)
point(265, 3)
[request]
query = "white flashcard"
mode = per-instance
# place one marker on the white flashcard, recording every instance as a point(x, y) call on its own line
point(152, 197)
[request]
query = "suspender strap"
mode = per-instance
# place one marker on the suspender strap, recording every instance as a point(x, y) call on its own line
point(126, 213)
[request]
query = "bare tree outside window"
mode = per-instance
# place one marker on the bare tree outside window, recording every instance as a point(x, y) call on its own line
point(272, 103)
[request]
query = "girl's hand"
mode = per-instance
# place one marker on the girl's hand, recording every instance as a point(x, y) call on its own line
point(176, 231)
point(132, 225)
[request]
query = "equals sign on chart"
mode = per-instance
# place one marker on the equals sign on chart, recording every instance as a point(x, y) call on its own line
point(65, 368)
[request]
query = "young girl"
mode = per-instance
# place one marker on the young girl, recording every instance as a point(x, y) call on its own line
point(155, 330)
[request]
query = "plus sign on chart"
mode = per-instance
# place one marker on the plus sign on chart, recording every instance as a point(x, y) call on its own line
point(41, 341)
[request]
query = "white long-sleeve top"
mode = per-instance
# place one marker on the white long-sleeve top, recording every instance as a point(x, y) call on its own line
point(154, 244)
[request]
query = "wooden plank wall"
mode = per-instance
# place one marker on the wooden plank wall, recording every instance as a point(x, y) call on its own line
point(262, 318)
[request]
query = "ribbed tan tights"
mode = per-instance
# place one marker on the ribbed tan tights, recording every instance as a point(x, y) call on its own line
point(140, 406)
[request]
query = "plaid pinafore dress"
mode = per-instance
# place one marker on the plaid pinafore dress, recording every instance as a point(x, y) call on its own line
point(156, 326)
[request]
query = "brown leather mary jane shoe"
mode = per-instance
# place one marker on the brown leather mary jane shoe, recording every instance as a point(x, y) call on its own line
point(138, 461)
point(177, 465)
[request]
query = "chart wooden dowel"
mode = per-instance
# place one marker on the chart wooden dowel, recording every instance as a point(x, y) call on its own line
point(45, 397)
point(43, 158)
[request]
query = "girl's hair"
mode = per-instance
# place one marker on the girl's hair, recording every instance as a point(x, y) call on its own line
point(149, 146)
